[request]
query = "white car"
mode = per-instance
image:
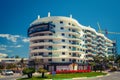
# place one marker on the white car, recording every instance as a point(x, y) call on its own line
point(7, 72)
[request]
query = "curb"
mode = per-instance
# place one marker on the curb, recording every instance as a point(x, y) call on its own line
point(80, 77)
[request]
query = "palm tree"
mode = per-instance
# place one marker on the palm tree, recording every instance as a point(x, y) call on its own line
point(28, 71)
point(37, 63)
point(42, 70)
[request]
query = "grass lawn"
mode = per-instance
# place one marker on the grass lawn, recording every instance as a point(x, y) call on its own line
point(66, 76)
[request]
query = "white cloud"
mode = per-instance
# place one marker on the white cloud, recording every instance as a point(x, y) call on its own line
point(18, 46)
point(10, 37)
point(15, 46)
point(14, 38)
point(3, 47)
point(3, 55)
point(9, 50)
point(25, 40)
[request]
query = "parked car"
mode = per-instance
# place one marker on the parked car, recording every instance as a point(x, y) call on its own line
point(7, 72)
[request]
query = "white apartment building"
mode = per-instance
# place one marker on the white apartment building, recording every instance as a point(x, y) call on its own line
point(61, 41)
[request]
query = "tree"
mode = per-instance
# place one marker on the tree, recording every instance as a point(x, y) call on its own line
point(10, 66)
point(22, 62)
point(37, 63)
point(99, 60)
point(17, 56)
point(117, 59)
point(1, 66)
point(29, 72)
point(42, 70)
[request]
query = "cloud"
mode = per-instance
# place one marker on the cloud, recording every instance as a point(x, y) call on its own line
point(3, 55)
point(3, 47)
point(14, 38)
point(10, 37)
point(17, 46)
point(25, 40)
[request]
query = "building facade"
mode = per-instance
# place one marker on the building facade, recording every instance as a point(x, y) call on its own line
point(61, 41)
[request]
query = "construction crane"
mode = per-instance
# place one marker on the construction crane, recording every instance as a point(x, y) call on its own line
point(105, 31)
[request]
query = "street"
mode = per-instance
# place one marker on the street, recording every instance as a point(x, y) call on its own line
point(11, 77)
point(112, 76)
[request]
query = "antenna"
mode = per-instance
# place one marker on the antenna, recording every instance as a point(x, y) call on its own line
point(100, 31)
point(70, 15)
point(38, 16)
point(48, 14)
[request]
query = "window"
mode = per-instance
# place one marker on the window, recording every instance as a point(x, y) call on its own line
point(69, 35)
point(49, 59)
point(50, 34)
point(41, 53)
point(63, 34)
point(69, 53)
point(63, 46)
point(74, 60)
point(41, 47)
point(69, 47)
point(69, 29)
point(50, 47)
point(35, 54)
point(63, 40)
point(63, 53)
point(61, 28)
point(74, 54)
point(41, 41)
point(50, 21)
point(41, 34)
point(50, 53)
point(61, 22)
point(63, 59)
point(69, 23)
point(50, 40)
point(73, 25)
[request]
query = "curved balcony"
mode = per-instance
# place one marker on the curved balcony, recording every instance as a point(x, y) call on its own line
point(49, 50)
point(90, 58)
point(88, 39)
point(46, 37)
point(42, 43)
point(89, 53)
point(101, 39)
point(73, 27)
point(41, 37)
point(74, 33)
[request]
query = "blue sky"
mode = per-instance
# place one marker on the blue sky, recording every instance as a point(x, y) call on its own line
point(16, 16)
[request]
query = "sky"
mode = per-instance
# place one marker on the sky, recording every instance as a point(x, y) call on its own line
point(16, 16)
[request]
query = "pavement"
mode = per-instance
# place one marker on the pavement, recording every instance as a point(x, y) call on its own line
point(109, 76)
